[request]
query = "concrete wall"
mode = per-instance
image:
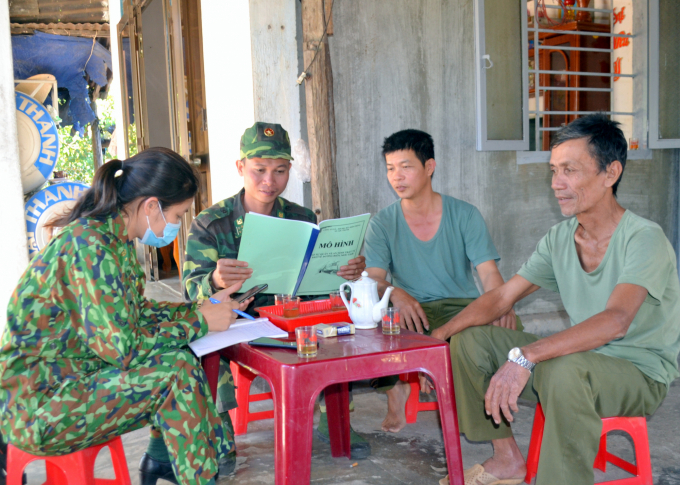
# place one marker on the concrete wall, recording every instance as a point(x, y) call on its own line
point(118, 147)
point(13, 245)
point(410, 64)
point(275, 69)
point(252, 78)
point(227, 65)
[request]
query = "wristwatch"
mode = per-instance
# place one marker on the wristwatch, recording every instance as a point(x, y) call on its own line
point(515, 355)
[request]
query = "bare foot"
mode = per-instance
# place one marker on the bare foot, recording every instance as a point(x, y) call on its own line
point(396, 403)
point(507, 461)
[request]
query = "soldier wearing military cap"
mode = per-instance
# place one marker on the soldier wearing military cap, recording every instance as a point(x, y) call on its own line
point(215, 237)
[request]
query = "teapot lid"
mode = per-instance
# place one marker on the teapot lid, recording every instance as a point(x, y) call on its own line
point(364, 280)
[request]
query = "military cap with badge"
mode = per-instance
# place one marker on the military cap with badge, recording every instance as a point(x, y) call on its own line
point(265, 140)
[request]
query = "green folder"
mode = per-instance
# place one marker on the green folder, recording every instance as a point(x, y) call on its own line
point(297, 257)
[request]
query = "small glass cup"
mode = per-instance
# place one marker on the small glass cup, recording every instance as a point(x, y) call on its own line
point(291, 306)
point(306, 342)
point(633, 144)
point(279, 299)
point(390, 321)
point(336, 301)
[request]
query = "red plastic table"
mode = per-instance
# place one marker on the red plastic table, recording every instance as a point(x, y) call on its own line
point(296, 382)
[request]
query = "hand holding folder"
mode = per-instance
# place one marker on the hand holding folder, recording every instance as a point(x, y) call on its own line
point(297, 257)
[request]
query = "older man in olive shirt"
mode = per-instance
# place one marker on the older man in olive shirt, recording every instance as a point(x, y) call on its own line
point(616, 274)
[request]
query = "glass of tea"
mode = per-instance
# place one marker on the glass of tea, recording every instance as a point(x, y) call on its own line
point(306, 341)
point(390, 321)
point(336, 301)
point(633, 144)
point(291, 306)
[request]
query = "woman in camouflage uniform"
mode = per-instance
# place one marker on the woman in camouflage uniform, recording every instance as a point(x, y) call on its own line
point(85, 357)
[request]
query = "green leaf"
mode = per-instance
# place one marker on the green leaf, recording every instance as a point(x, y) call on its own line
point(75, 152)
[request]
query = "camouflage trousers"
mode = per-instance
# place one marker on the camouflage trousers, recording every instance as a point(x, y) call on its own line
point(226, 393)
point(169, 391)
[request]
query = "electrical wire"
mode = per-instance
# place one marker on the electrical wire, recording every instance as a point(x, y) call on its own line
point(304, 73)
point(541, 5)
point(94, 39)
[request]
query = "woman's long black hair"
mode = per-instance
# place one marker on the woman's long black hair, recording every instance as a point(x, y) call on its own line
point(155, 172)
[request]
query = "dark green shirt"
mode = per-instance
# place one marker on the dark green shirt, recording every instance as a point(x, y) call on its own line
point(216, 234)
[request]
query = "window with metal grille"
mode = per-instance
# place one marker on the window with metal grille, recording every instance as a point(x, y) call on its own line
point(543, 63)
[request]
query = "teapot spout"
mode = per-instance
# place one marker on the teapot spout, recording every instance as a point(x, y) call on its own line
point(382, 304)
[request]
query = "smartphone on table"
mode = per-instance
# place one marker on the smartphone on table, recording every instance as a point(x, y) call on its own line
point(252, 292)
point(273, 342)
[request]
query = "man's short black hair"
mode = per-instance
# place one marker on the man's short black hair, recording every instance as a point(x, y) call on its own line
point(605, 140)
point(420, 142)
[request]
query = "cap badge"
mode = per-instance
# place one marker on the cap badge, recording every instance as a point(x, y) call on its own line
point(268, 132)
point(239, 226)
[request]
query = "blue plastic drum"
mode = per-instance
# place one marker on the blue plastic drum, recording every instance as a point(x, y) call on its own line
point(52, 201)
point(38, 142)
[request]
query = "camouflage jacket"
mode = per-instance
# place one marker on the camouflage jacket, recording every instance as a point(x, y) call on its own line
point(78, 308)
point(216, 234)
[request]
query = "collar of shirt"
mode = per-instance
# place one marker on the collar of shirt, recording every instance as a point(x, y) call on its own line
point(239, 211)
point(116, 226)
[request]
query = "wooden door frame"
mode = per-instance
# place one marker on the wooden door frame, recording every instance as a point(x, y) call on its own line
point(132, 17)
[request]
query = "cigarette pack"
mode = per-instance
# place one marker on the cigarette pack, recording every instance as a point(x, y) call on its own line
point(334, 329)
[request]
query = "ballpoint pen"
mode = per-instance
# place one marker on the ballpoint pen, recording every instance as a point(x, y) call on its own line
point(238, 312)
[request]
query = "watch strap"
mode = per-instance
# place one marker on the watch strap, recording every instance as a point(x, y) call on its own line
point(522, 361)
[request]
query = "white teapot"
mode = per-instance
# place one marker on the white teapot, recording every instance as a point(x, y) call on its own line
point(364, 306)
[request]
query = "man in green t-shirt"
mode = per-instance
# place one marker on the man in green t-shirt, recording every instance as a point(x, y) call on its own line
point(429, 243)
point(616, 274)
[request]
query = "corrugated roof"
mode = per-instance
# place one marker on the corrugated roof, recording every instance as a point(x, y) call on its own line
point(78, 30)
point(67, 11)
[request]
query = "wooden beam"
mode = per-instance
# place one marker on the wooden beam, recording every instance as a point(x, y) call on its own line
point(320, 112)
point(328, 9)
point(71, 33)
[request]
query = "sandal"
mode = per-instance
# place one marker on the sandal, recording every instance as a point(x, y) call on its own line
point(478, 476)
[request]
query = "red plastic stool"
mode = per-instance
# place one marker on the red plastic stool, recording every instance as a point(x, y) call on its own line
point(413, 404)
point(241, 416)
point(72, 469)
point(635, 427)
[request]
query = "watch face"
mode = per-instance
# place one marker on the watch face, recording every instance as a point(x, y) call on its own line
point(514, 354)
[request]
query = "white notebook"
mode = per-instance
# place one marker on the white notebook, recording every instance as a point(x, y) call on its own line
point(242, 330)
